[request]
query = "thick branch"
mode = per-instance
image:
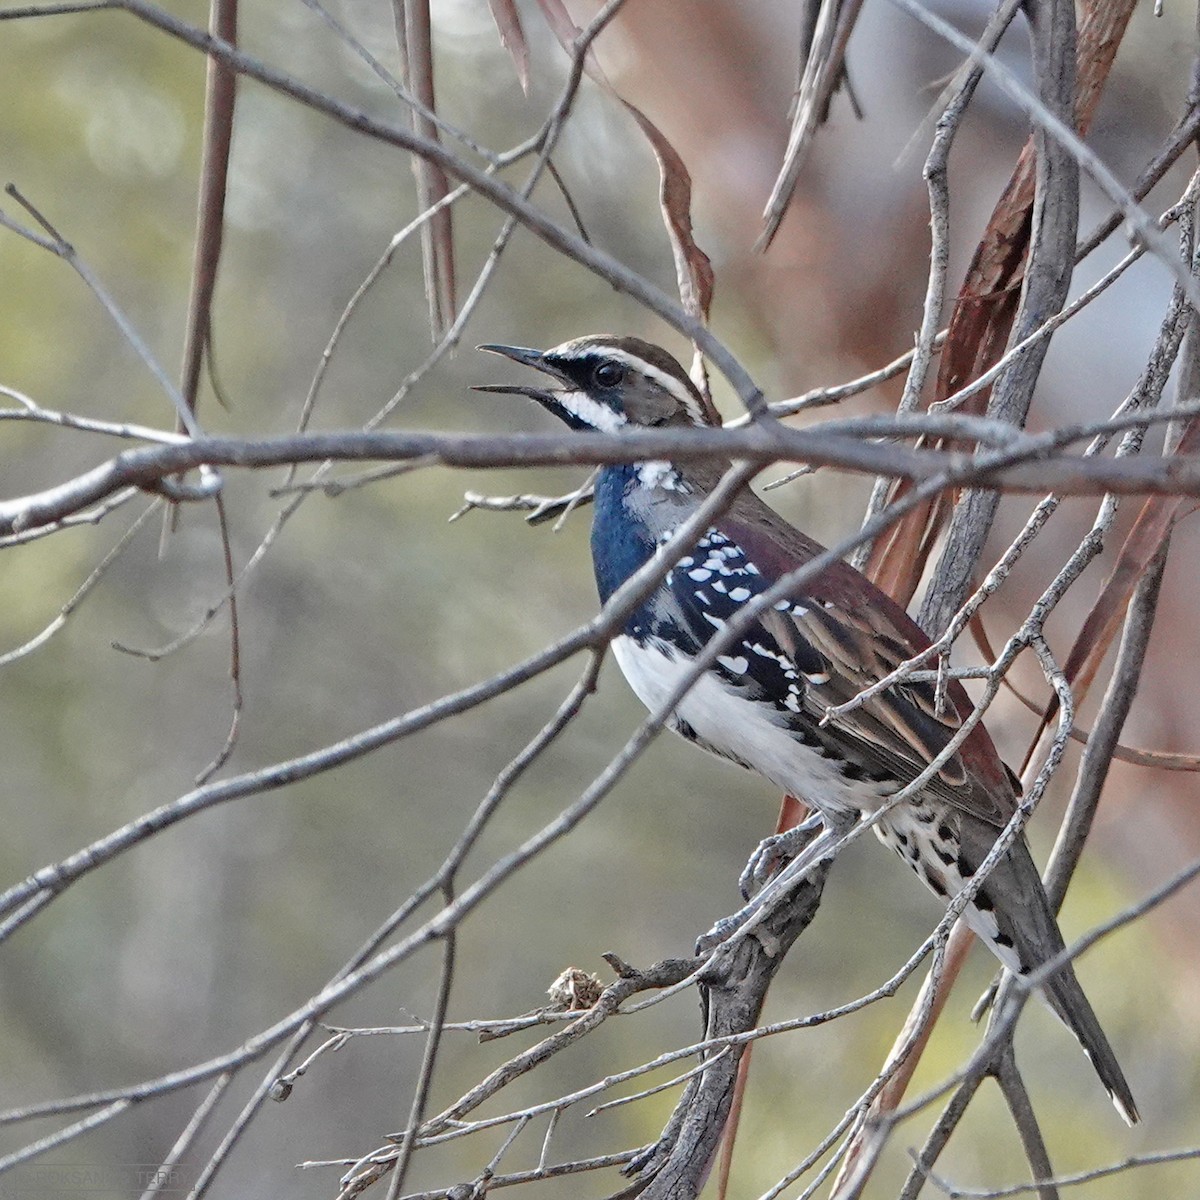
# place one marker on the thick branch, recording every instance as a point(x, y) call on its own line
point(736, 983)
point(1047, 280)
point(1024, 469)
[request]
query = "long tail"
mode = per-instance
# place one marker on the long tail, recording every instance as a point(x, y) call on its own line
point(1012, 916)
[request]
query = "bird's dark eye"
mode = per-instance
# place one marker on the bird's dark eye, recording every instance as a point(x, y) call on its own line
point(608, 373)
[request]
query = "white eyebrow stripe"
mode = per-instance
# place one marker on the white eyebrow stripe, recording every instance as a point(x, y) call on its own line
point(599, 416)
point(668, 382)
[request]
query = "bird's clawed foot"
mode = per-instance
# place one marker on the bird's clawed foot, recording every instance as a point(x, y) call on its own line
point(775, 852)
point(778, 867)
point(721, 931)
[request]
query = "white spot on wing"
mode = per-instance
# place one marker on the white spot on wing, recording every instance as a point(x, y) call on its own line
point(785, 663)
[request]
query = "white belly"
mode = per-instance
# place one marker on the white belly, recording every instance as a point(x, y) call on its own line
point(755, 734)
point(748, 731)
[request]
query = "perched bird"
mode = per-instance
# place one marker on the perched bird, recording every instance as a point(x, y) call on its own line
point(762, 702)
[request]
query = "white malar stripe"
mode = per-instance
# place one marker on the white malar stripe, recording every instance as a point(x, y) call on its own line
point(599, 416)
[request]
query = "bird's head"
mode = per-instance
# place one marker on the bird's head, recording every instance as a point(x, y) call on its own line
point(609, 383)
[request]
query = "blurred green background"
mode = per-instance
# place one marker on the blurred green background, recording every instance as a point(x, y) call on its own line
point(371, 604)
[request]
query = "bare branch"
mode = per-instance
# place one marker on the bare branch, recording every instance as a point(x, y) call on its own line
point(1026, 467)
point(58, 245)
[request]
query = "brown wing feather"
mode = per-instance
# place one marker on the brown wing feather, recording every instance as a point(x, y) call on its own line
point(862, 635)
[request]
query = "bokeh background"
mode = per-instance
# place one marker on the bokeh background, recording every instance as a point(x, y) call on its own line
point(371, 604)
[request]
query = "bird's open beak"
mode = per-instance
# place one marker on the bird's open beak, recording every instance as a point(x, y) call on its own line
point(528, 358)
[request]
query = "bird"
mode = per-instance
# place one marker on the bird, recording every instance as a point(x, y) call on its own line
point(763, 701)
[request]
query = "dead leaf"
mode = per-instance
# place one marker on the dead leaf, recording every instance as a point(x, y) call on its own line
point(693, 269)
point(512, 37)
point(564, 28)
point(437, 234)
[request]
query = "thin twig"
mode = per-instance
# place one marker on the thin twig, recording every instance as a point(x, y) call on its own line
point(58, 245)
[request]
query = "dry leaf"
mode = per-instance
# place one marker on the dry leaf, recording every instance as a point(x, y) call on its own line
point(512, 37)
point(437, 234)
point(565, 29)
point(693, 269)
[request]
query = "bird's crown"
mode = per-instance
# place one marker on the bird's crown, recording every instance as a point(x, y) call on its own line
point(607, 383)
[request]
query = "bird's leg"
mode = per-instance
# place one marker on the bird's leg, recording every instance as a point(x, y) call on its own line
point(775, 852)
point(808, 850)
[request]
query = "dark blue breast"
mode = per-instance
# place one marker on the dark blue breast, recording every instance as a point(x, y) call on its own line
point(620, 543)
